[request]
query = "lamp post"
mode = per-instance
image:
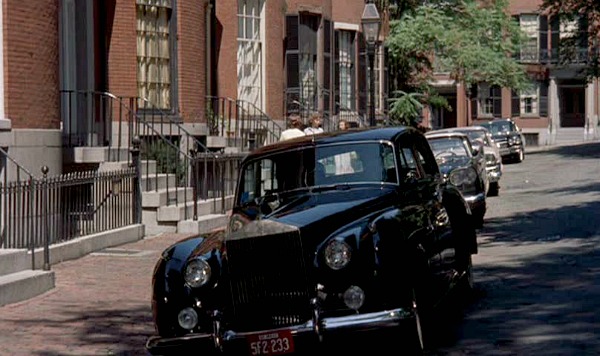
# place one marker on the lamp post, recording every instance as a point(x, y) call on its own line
point(371, 24)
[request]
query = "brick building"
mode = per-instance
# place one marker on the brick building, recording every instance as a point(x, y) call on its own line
point(560, 107)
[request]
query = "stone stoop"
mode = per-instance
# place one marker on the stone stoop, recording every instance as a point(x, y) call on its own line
point(18, 281)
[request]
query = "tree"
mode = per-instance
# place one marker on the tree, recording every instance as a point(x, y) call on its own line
point(572, 10)
point(470, 40)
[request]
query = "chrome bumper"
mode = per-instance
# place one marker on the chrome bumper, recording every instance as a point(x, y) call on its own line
point(475, 201)
point(494, 172)
point(215, 342)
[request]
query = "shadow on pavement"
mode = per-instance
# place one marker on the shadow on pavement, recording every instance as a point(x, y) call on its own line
point(544, 299)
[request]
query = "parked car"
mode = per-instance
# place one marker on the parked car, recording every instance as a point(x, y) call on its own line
point(464, 168)
point(479, 135)
point(508, 137)
point(331, 237)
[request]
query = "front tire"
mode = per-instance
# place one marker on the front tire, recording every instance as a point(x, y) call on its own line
point(494, 189)
point(414, 330)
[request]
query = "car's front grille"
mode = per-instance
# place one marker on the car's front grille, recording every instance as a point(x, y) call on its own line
point(502, 143)
point(268, 280)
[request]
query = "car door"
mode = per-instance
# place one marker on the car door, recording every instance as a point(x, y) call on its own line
point(442, 244)
point(421, 170)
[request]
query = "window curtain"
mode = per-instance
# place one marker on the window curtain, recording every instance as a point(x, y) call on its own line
point(154, 53)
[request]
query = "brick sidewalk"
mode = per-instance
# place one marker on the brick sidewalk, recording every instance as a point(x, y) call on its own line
point(100, 306)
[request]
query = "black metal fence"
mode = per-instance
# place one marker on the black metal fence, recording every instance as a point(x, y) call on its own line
point(36, 212)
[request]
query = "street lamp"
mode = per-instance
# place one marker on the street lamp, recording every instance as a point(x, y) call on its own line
point(371, 24)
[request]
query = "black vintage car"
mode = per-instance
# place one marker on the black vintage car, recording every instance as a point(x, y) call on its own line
point(464, 166)
point(508, 137)
point(330, 235)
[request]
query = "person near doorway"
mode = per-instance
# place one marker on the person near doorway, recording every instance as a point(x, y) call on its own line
point(294, 128)
point(343, 125)
point(314, 125)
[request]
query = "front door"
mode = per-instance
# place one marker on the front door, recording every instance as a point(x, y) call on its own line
point(83, 41)
point(572, 106)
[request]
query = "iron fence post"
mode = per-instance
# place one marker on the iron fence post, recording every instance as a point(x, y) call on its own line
point(194, 155)
point(137, 185)
point(45, 213)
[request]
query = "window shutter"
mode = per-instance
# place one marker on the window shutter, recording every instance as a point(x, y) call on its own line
point(517, 54)
point(292, 63)
point(327, 34)
point(497, 98)
point(362, 74)
point(544, 99)
point(515, 104)
point(544, 37)
point(583, 32)
point(291, 32)
point(474, 94)
point(554, 38)
point(336, 72)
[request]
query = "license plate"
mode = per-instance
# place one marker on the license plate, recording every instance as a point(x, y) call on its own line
point(271, 343)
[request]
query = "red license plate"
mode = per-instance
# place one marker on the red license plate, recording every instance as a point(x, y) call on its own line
point(271, 343)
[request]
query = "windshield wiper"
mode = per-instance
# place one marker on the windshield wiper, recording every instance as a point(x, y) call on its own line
point(323, 188)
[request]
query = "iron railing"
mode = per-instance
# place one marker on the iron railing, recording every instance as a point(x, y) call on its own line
point(242, 123)
point(163, 140)
point(37, 212)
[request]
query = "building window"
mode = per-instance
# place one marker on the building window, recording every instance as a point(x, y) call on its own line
point(309, 25)
point(529, 100)
point(249, 52)
point(154, 52)
point(347, 70)
point(531, 28)
point(490, 100)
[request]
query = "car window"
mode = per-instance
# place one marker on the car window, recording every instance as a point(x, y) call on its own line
point(371, 162)
point(454, 146)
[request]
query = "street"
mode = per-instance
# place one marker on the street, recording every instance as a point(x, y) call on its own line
point(537, 277)
point(538, 269)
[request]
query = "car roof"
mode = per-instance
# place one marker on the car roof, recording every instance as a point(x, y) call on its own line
point(350, 135)
point(462, 129)
point(442, 134)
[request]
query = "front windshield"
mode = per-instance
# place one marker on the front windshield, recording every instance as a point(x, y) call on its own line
point(448, 148)
point(318, 166)
point(498, 127)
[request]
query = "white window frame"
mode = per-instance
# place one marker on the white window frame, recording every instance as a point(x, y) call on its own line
point(155, 59)
point(347, 63)
point(485, 100)
point(250, 53)
point(532, 95)
point(530, 26)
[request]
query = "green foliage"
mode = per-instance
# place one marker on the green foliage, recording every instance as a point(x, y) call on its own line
point(473, 43)
point(407, 108)
point(572, 10)
point(166, 156)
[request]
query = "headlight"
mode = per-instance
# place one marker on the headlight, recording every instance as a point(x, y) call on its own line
point(515, 140)
point(490, 159)
point(197, 273)
point(337, 254)
point(459, 177)
point(187, 318)
point(354, 297)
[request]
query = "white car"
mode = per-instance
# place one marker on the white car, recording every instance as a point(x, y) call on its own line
point(482, 136)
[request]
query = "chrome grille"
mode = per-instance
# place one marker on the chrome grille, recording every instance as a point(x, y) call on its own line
point(268, 280)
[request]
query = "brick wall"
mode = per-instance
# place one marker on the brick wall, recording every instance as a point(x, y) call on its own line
point(347, 11)
point(226, 32)
point(524, 6)
point(191, 52)
point(122, 55)
point(31, 63)
point(274, 58)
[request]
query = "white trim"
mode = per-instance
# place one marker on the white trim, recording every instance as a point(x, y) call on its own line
point(346, 26)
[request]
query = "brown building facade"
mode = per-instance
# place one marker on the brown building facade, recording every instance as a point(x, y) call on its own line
point(561, 106)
